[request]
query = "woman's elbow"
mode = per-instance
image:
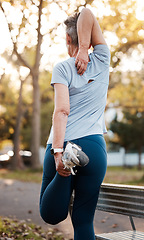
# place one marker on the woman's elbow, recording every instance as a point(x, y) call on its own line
point(63, 112)
point(66, 112)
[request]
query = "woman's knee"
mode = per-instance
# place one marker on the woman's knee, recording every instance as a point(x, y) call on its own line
point(52, 217)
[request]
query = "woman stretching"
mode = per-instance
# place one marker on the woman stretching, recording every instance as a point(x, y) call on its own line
point(80, 84)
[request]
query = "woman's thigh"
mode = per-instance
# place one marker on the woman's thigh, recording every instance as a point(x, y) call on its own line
point(55, 192)
point(49, 169)
point(89, 178)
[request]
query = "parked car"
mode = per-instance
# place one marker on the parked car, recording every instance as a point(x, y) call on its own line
point(5, 159)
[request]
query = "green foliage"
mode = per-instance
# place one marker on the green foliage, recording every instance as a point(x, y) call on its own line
point(25, 137)
point(130, 132)
point(46, 112)
point(46, 121)
point(129, 92)
point(8, 99)
point(136, 123)
point(123, 131)
point(47, 106)
point(123, 24)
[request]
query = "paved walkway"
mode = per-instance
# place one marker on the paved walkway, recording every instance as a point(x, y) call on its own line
point(21, 200)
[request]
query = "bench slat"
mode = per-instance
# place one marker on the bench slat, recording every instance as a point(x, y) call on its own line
point(124, 191)
point(125, 235)
point(126, 198)
point(122, 186)
point(118, 203)
point(134, 210)
point(122, 211)
point(121, 199)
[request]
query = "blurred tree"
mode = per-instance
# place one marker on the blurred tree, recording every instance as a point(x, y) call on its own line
point(34, 70)
point(129, 92)
point(33, 27)
point(129, 132)
point(31, 14)
point(8, 100)
point(124, 31)
point(47, 105)
point(128, 98)
point(17, 161)
point(10, 118)
point(16, 112)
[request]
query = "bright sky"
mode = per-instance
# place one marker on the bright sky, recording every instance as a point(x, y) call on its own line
point(140, 10)
point(57, 51)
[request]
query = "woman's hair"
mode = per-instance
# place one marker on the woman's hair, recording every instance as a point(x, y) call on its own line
point(71, 28)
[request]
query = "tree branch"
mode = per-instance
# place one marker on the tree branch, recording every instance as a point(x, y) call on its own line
point(19, 56)
point(76, 10)
point(33, 2)
point(21, 59)
point(8, 60)
point(38, 54)
point(124, 48)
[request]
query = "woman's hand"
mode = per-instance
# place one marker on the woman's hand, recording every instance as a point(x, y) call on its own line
point(82, 60)
point(60, 167)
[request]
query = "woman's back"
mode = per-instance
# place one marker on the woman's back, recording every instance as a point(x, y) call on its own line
point(87, 93)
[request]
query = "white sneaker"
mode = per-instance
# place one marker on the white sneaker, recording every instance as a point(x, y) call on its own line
point(74, 156)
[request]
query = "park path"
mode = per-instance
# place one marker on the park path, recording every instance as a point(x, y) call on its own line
point(21, 200)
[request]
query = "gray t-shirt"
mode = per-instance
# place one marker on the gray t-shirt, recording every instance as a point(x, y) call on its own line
point(87, 100)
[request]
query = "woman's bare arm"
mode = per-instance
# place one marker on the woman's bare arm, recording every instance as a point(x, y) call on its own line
point(89, 33)
point(60, 116)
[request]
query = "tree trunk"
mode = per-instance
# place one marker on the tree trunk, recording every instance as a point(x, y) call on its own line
point(36, 98)
point(35, 144)
point(17, 161)
point(139, 159)
point(123, 154)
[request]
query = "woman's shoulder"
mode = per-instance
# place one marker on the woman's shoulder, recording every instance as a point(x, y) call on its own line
point(65, 66)
point(101, 53)
point(62, 72)
point(70, 60)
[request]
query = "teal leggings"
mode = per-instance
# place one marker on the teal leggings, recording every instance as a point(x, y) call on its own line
point(56, 190)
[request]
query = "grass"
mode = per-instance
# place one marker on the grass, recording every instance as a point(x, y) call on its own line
point(27, 175)
point(121, 175)
point(16, 229)
point(118, 175)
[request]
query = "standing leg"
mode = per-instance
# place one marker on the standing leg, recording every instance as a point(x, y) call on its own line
point(87, 184)
point(55, 192)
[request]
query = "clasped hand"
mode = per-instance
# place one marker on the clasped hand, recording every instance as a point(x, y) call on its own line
point(82, 60)
point(60, 167)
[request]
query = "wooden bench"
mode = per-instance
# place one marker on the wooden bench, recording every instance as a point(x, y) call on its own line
point(121, 199)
